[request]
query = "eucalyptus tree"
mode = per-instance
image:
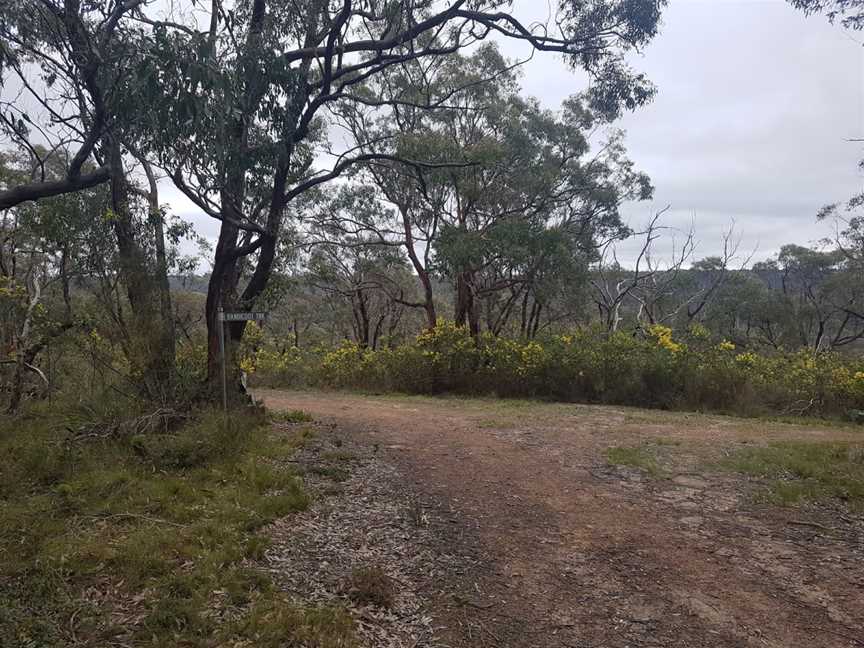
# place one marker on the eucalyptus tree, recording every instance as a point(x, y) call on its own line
point(819, 303)
point(351, 261)
point(59, 82)
point(240, 96)
point(850, 13)
point(357, 275)
point(70, 84)
point(523, 191)
point(533, 221)
point(46, 248)
point(738, 313)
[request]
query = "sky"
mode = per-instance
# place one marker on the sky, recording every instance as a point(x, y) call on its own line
point(756, 103)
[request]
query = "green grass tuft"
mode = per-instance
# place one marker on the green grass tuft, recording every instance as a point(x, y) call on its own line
point(799, 471)
point(635, 457)
point(292, 416)
point(370, 585)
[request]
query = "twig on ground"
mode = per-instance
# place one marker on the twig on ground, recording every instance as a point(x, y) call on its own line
point(815, 525)
point(138, 517)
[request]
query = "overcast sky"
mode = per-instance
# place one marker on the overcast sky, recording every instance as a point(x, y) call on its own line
point(755, 104)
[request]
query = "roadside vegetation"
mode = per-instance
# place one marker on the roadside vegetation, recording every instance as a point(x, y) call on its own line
point(785, 473)
point(796, 472)
point(149, 538)
point(693, 371)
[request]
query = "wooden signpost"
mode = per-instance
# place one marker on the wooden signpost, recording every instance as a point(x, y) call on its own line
point(257, 316)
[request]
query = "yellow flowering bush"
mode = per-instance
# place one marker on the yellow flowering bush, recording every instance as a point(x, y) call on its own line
point(652, 371)
point(342, 366)
point(663, 337)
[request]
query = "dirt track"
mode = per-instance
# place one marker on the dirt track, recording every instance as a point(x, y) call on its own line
point(570, 551)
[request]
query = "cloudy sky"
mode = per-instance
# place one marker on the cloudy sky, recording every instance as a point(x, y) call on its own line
point(756, 103)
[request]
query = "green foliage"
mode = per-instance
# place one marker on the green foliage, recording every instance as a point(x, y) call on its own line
point(850, 13)
point(149, 537)
point(658, 370)
point(292, 416)
point(274, 623)
point(804, 471)
point(636, 457)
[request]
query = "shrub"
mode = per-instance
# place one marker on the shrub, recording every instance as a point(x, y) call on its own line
point(655, 370)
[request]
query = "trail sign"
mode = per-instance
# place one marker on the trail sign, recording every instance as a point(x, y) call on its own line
point(232, 317)
point(243, 317)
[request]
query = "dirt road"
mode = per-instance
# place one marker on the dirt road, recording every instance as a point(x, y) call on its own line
point(568, 550)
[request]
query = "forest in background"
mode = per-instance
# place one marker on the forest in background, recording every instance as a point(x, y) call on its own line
point(456, 199)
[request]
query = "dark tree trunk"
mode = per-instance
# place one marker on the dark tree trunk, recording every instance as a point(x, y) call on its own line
point(420, 269)
point(151, 347)
point(221, 292)
point(428, 295)
point(538, 309)
point(225, 277)
point(466, 305)
point(27, 359)
point(18, 383)
point(361, 317)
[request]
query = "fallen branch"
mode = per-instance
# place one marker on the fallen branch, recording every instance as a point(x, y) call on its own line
point(815, 525)
point(162, 419)
point(136, 516)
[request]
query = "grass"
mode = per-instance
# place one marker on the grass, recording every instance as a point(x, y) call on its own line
point(496, 424)
point(150, 539)
point(330, 472)
point(797, 471)
point(640, 457)
point(291, 416)
point(338, 456)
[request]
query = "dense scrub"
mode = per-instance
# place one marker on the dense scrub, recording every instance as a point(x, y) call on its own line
point(654, 370)
point(112, 537)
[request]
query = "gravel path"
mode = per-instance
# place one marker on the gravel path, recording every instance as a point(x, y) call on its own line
point(503, 525)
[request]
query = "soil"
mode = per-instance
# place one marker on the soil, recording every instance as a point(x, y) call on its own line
point(543, 543)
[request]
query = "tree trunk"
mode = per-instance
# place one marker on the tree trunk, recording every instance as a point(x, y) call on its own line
point(361, 315)
point(26, 360)
point(167, 330)
point(420, 269)
point(225, 277)
point(466, 306)
point(17, 387)
point(221, 291)
point(429, 300)
point(151, 347)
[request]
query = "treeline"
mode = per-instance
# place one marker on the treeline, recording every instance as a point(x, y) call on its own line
point(447, 195)
point(312, 130)
point(803, 299)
